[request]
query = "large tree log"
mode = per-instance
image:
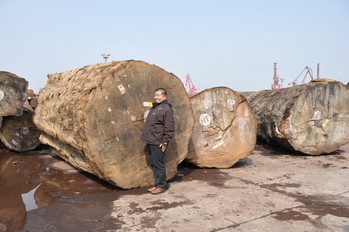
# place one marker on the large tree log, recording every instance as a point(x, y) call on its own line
point(225, 128)
point(19, 133)
point(312, 118)
point(94, 116)
point(12, 94)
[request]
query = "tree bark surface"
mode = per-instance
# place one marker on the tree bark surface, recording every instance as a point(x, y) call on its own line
point(93, 117)
point(12, 94)
point(225, 128)
point(311, 118)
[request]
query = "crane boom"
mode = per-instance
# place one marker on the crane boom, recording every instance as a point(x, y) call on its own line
point(190, 85)
point(308, 71)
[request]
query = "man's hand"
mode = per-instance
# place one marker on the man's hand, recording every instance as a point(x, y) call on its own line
point(163, 147)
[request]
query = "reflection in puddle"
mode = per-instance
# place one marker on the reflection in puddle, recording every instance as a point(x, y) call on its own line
point(33, 180)
point(29, 200)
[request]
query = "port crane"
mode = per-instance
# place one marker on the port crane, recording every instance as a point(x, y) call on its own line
point(307, 71)
point(276, 79)
point(190, 85)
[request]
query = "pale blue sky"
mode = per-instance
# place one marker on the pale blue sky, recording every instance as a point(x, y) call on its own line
point(219, 43)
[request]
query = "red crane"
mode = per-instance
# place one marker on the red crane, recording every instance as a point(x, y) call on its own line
point(190, 85)
point(276, 79)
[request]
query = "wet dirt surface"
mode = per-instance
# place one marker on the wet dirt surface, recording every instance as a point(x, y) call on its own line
point(271, 190)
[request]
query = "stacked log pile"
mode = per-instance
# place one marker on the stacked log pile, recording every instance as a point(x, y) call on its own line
point(93, 118)
point(17, 131)
point(225, 128)
point(312, 118)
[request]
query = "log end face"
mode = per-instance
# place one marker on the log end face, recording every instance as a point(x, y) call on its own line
point(225, 128)
point(12, 94)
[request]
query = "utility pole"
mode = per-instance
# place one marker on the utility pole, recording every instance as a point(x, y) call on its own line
point(105, 57)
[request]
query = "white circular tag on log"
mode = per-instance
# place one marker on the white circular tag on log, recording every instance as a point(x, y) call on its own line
point(205, 119)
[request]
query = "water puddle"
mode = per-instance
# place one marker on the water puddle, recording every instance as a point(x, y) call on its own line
point(33, 180)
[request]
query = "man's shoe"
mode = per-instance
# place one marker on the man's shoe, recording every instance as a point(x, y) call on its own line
point(158, 190)
point(151, 189)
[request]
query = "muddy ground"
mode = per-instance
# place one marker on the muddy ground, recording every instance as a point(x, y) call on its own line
point(271, 190)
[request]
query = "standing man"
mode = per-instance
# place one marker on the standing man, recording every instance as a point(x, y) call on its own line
point(158, 130)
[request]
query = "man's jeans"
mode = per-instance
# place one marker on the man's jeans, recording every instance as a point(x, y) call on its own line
point(157, 163)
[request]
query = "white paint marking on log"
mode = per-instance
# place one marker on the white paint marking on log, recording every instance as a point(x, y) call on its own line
point(109, 109)
point(146, 115)
point(112, 122)
point(217, 145)
point(147, 104)
point(231, 102)
point(25, 130)
point(205, 119)
point(106, 97)
point(317, 115)
point(1, 95)
point(129, 86)
point(117, 139)
point(122, 89)
point(14, 142)
point(133, 118)
point(278, 133)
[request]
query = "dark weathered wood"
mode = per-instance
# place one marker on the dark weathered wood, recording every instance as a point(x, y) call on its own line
point(225, 128)
point(93, 117)
point(312, 118)
point(19, 133)
point(12, 94)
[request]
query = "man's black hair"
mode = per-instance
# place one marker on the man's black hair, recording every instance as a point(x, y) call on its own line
point(163, 91)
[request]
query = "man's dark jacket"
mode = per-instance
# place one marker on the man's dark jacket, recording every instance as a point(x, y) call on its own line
point(159, 126)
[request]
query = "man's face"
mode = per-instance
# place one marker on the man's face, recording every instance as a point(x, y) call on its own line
point(159, 96)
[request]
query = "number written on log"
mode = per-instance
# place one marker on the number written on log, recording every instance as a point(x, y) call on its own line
point(122, 89)
point(25, 130)
point(317, 115)
point(231, 102)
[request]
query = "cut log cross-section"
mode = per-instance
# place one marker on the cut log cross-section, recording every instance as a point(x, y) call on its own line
point(19, 133)
point(93, 118)
point(12, 94)
point(312, 118)
point(225, 128)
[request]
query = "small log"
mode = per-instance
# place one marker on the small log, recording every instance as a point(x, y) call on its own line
point(93, 118)
point(19, 133)
point(225, 128)
point(311, 118)
point(32, 98)
point(12, 94)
